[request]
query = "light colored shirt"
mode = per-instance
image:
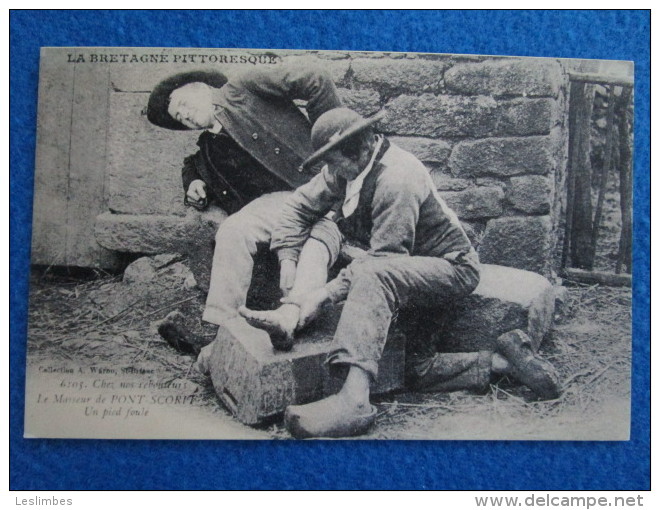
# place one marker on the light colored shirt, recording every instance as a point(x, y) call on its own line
point(353, 187)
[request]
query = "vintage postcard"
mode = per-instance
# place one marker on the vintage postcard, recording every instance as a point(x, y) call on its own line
point(274, 244)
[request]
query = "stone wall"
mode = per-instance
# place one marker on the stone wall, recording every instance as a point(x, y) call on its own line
point(491, 130)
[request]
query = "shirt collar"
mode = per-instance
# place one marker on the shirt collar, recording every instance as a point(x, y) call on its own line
point(354, 187)
point(216, 128)
point(370, 165)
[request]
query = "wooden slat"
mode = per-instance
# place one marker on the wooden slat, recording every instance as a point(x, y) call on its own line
point(625, 180)
point(582, 221)
point(570, 173)
point(605, 171)
point(601, 79)
point(609, 279)
point(89, 127)
point(52, 159)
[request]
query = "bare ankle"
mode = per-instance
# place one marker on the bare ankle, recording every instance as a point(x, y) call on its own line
point(356, 388)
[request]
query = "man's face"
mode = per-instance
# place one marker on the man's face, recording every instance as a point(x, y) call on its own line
point(192, 106)
point(342, 166)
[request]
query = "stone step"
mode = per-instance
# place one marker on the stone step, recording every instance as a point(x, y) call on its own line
point(192, 235)
point(505, 299)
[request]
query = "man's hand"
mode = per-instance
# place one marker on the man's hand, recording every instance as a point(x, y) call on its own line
point(196, 191)
point(310, 305)
point(287, 275)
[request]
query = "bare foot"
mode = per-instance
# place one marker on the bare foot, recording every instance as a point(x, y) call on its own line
point(280, 324)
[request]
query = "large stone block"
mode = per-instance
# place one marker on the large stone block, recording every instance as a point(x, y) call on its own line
point(530, 193)
point(147, 234)
point(502, 157)
point(425, 149)
point(505, 299)
point(405, 75)
point(529, 77)
point(521, 242)
point(143, 175)
point(256, 382)
point(475, 203)
point(480, 116)
point(191, 235)
point(365, 102)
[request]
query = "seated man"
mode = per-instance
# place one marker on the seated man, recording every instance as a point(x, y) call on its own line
point(254, 140)
point(418, 257)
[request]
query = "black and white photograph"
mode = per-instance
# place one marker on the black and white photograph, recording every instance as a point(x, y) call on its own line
point(286, 244)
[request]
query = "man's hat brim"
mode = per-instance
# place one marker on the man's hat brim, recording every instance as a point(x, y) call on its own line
point(342, 137)
point(159, 99)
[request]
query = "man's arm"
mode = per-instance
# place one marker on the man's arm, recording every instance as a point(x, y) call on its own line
point(189, 171)
point(305, 206)
point(193, 185)
point(395, 212)
point(294, 82)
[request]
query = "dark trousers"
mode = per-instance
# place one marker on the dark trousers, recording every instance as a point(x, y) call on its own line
point(399, 287)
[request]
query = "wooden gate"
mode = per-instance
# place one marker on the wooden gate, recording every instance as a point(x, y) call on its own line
point(589, 173)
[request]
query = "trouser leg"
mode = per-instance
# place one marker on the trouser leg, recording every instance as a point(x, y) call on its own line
point(380, 287)
point(312, 268)
point(236, 244)
point(429, 370)
point(450, 371)
point(318, 254)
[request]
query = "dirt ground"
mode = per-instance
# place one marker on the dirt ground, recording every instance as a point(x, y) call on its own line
point(104, 322)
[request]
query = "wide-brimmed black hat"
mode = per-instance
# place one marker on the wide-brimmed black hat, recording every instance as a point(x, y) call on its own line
point(334, 127)
point(159, 99)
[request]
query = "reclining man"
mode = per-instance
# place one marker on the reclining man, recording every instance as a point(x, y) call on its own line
point(418, 257)
point(254, 141)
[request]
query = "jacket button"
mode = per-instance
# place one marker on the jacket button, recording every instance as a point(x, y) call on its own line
point(255, 136)
point(224, 192)
point(277, 150)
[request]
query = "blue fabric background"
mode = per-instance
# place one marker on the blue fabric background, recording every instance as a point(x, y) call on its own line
point(87, 464)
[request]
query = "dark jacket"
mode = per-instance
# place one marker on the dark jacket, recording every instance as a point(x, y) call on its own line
point(265, 137)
